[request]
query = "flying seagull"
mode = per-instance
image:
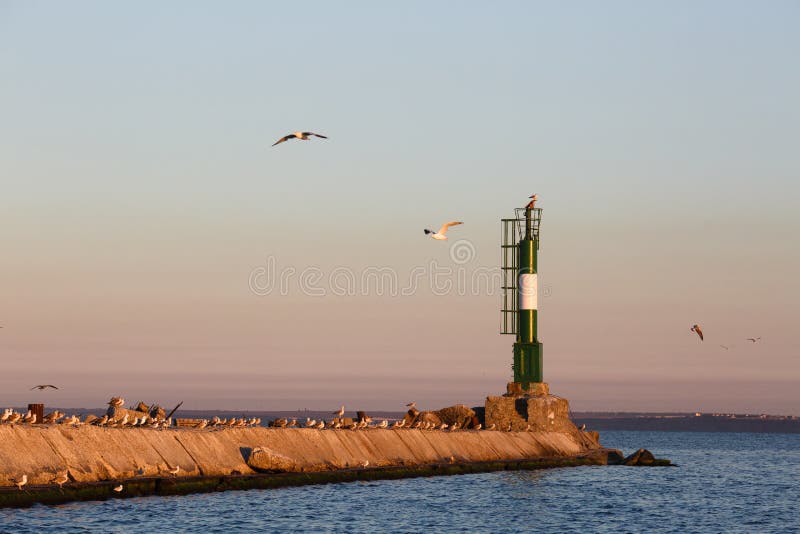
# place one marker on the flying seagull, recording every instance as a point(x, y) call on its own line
point(753, 339)
point(43, 386)
point(298, 135)
point(725, 347)
point(440, 235)
point(696, 330)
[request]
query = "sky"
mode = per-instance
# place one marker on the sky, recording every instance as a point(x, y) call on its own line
point(155, 245)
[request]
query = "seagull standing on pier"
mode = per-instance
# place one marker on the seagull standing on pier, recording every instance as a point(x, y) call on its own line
point(298, 135)
point(340, 413)
point(440, 235)
point(696, 330)
point(20, 481)
point(61, 480)
point(118, 489)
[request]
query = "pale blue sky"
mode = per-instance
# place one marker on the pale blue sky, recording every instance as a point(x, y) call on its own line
point(140, 190)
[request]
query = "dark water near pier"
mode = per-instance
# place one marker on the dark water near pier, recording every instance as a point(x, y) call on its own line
point(725, 482)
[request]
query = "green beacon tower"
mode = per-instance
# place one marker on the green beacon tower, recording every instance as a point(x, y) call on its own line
point(520, 248)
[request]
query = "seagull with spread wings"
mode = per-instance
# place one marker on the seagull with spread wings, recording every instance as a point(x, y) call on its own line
point(43, 386)
point(298, 135)
point(440, 235)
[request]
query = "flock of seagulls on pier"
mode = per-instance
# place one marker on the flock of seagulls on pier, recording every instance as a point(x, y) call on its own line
point(233, 422)
point(12, 417)
point(415, 422)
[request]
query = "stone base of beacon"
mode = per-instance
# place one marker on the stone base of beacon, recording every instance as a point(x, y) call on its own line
point(533, 409)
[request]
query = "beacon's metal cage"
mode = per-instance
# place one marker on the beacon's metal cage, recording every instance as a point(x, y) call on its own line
point(512, 231)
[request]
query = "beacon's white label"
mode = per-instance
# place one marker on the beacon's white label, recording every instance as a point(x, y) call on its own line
point(528, 292)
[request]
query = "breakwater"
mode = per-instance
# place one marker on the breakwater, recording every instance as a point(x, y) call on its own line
point(170, 461)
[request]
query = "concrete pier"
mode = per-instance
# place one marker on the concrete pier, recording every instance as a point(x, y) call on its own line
point(209, 460)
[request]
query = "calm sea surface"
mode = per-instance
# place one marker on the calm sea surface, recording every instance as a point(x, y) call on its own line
point(724, 483)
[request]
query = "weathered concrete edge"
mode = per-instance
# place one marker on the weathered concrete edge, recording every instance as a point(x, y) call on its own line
point(162, 486)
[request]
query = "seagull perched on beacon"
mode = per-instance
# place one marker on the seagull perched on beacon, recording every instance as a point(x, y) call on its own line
point(43, 386)
point(440, 235)
point(532, 203)
point(696, 330)
point(298, 135)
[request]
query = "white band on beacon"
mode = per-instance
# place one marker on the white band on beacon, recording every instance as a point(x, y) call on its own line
point(528, 292)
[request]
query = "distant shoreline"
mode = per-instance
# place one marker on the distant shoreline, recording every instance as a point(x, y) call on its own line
point(689, 422)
